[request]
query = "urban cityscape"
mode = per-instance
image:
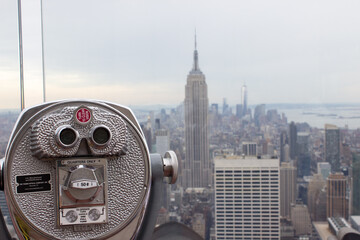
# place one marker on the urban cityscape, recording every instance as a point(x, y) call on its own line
point(246, 172)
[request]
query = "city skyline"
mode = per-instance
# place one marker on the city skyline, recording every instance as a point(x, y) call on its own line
point(236, 208)
point(278, 49)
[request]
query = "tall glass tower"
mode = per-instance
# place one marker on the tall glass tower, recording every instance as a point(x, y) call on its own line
point(196, 168)
point(332, 146)
point(244, 99)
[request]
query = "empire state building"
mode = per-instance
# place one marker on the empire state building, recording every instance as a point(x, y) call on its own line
point(196, 169)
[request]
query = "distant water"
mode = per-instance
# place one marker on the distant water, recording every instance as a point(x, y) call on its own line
point(314, 115)
point(340, 116)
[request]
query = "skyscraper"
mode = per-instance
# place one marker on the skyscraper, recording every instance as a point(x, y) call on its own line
point(332, 146)
point(196, 171)
point(239, 110)
point(355, 186)
point(162, 141)
point(225, 107)
point(146, 127)
point(249, 148)
point(215, 108)
point(244, 99)
point(317, 198)
point(336, 205)
point(259, 114)
point(283, 142)
point(288, 194)
point(324, 168)
point(4, 209)
point(300, 219)
point(292, 140)
point(247, 198)
point(303, 154)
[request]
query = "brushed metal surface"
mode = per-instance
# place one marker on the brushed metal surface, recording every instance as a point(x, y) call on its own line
point(34, 148)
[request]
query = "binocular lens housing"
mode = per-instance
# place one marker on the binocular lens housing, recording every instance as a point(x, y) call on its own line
point(100, 135)
point(67, 136)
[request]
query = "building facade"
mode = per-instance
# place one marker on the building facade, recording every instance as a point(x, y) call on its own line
point(355, 186)
point(332, 146)
point(244, 97)
point(249, 148)
point(283, 143)
point(162, 141)
point(317, 198)
point(292, 140)
point(303, 154)
point(288, 177)
point(247, 198)
point(196, 170)
point(239, 111)
point(259, 114)
point(336, 202)
point(146, 128)
point(300, 219)
point(324, 168)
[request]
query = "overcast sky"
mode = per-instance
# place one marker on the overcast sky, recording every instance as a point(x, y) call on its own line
point(140, 52)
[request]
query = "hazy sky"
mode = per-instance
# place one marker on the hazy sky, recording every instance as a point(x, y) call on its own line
point(140, 52)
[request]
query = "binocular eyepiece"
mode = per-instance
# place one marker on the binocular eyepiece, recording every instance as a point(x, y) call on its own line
point(81, 170)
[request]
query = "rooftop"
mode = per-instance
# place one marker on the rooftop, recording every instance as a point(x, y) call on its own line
point(246, 161)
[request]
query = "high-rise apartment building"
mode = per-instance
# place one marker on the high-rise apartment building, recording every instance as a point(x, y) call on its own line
point(196, 170)
point(332, 146)
point(336, 202)
point(288, 176)
point(247, 198)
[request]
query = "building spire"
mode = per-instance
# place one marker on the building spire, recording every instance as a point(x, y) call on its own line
point(196, 57)
point(195, 40)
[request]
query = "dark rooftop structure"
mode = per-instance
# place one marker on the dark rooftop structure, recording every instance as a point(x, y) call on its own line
point(175, 231)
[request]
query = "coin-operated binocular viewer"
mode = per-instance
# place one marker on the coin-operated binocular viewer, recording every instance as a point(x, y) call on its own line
point(82, 170)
